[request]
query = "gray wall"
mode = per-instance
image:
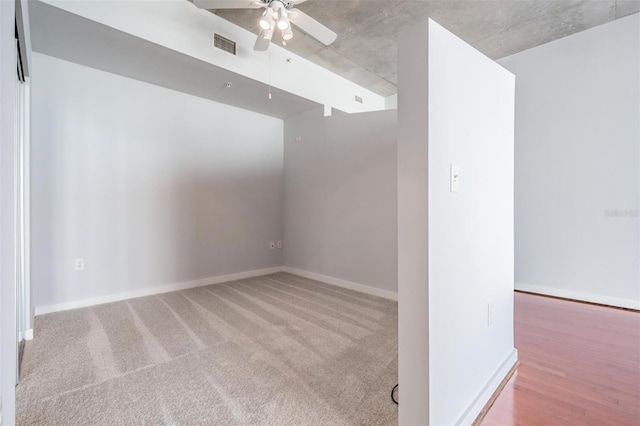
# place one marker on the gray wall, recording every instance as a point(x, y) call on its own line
point(340, 203)
point(577, 158)
point(455, 249)
point(148, 185)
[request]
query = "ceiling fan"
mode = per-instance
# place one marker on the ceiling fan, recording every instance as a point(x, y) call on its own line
point(277, 15)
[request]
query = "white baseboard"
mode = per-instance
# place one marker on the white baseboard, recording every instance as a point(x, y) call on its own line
point(576, 295)
point(362, 288)
point(25, 335)
point(474, 409)
point(40, 310)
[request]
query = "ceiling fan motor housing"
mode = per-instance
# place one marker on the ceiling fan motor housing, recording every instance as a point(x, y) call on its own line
point(277, 4)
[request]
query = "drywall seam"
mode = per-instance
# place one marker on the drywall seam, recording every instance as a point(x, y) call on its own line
point(361, 288)
point(478, 403)
point(41, 310)
point(578, 295)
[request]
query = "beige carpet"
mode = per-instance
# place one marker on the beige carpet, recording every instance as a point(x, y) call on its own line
point(274, 350)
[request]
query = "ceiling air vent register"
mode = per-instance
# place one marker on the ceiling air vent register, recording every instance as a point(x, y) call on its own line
point(224, 43)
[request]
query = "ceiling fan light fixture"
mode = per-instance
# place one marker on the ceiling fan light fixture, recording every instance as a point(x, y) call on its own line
point(267, 17)
point(287, 34)
point(283, 21)
point(277, 14)
point(266, 34)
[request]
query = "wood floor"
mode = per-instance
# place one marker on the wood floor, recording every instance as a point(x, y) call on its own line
point(579, 365)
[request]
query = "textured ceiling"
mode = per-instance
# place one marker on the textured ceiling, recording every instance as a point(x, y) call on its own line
point(366, 52)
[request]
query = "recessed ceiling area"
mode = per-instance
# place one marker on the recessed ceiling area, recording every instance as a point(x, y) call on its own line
point(366, 49)
point(67, 36)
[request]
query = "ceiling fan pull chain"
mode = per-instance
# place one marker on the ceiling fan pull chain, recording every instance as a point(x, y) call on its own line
point(269, 64)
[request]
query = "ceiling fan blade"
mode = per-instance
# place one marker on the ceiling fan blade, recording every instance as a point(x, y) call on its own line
point(262, 44)
point(294, 2)
point(228, 4)
point(312, 27)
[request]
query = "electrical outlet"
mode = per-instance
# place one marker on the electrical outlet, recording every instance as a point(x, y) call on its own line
point(279, 244)
point(272, 245)
point(79, 264)
point(455, 179)
point(490, 314)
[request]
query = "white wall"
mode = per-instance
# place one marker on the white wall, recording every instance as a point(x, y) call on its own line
point(8, 333)
point(150, 186)
point(455, 250)
point(577, 158)
point(340, 197)
point(391, 102)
